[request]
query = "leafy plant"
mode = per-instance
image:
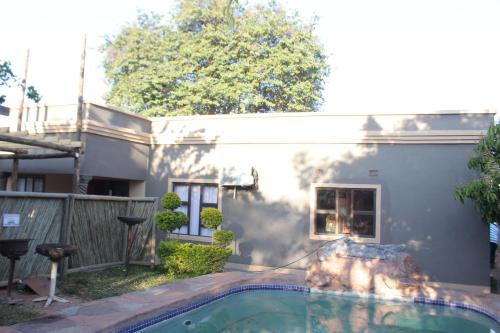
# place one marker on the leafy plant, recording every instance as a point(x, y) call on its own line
point(484, 191)
point(192, 259)
point(216, 57)
point(170, 220)
point(7, 78)
point(211, 217)
point(223, 237)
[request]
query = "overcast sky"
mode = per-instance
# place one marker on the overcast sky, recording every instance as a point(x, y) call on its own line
point(385, 55)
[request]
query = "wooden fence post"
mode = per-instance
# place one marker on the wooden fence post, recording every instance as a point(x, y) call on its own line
point(66, 222)
point(125, 233)
point(153, 235)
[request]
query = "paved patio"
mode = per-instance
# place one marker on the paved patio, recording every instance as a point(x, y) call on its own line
point(107, 315)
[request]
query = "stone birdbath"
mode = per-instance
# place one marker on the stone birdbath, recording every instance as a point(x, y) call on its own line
point(13, 249)
point(130, 221)
point(55, 252)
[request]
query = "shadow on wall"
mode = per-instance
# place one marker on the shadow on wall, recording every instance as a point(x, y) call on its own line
point(446, 238)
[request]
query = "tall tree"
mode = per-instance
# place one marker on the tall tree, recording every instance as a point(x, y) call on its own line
point(484, 191)
point(204, 61)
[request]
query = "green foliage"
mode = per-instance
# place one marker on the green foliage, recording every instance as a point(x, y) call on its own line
point(192, 259)
point(169, 220)
point(7, 77)
point(211, 218)
point(171, 200)
point(485, 190)
point(204, 61)
point(223, 237)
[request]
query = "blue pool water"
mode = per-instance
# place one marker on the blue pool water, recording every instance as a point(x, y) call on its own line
point(279, 311)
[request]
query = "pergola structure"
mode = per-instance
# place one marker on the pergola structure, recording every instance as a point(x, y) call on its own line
point(22, 146)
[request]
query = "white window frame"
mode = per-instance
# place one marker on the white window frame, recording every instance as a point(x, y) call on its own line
point(170, 188)
point(313, 209)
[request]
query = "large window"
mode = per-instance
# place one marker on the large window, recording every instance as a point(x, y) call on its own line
point(195, 197)
point(345, 210)
point(30, 184)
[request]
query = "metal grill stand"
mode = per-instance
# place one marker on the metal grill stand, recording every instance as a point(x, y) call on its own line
point(130, 221)
point(55, 252)
point(13, 249)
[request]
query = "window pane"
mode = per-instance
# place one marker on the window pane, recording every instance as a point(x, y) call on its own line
point(194, 210)
point(38, 185)
point(29, 184)
point(344, 212)
point(326, 224)
point(183, 229)
point(21, 184)
point(182, 191)
point(206, 232)
point(364, 225)
point(364, 200)
point(210, 194)
point(326, 199)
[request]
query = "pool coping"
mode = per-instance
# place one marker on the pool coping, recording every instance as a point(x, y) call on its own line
point(116, 314)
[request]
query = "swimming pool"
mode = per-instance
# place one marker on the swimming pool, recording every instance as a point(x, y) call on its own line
point(298, 311)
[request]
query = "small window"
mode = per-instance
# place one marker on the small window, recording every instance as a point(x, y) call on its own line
point(344, 210)
point(30, 184)
point(195, 197)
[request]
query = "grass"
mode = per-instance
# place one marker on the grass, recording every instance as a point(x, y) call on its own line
point(111, 282)
point(12, 314)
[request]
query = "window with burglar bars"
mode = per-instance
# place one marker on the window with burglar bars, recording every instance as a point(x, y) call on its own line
point(195, 197)
point(345, 211)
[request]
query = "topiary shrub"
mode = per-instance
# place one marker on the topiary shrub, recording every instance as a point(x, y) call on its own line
point(171, 201)
point(169, 220)
point(223, 237)
point(211, 218)
point(192, 259)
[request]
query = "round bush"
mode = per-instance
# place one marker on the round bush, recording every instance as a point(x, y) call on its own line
point(223, 237)
point(211, 218)
point(168, 220)
point(171, 200)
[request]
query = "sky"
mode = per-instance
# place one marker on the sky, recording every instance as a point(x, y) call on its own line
point(385, 55)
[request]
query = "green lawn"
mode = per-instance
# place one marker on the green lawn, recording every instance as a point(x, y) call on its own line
point(111, 282)
point(12, 314)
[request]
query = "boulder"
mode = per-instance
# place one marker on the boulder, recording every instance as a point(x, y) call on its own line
point(367, 268)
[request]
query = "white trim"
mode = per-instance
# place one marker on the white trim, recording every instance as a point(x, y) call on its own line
point(312, 211)
point(170, 187)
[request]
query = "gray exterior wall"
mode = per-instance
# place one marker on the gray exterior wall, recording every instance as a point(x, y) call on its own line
point(271, 223)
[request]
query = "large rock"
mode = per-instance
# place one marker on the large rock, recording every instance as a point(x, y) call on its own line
point(380, 269)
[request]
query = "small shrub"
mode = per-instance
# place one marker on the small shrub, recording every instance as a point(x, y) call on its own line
point(168, 220)
point(223, 237)
point(193, 259)
point(211, 217)
point(171, 201)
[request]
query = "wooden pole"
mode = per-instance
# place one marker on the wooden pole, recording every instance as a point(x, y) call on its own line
point(36, 143)
point(23, 90)
point(36, 156)
point(79, 115)
point(15, 161)
point(76, 173)
point(15, 174)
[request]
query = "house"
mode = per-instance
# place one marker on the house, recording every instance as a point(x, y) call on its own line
point(378, 178)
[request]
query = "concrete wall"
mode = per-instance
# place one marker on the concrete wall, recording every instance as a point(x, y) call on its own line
point(271, 223)
point(114, 158)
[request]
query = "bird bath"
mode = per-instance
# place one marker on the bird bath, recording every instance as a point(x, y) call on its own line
point(130, 221)
point(13, 249)
point(55, 252)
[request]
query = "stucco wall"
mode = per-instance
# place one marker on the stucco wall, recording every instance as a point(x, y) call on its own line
point(271, 223)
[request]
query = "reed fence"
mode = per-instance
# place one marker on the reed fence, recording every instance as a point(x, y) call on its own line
point(88, 222)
